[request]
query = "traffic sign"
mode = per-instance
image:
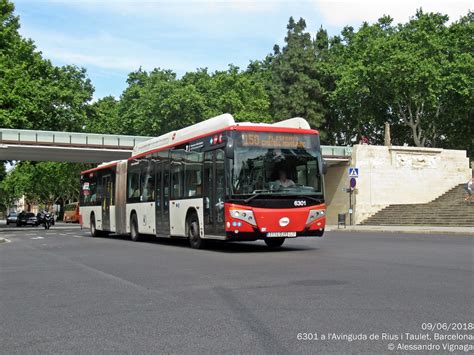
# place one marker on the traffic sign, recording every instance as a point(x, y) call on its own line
point(353, 182)
point(353, 172)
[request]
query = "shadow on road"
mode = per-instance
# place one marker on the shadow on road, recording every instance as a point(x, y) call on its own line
point(217, 246)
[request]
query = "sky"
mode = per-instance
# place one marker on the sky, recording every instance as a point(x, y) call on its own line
point(111, 38)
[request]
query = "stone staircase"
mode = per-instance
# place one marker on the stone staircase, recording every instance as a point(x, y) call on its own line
point(449, 209)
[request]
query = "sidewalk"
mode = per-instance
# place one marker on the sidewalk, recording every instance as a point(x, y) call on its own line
point(467, 231)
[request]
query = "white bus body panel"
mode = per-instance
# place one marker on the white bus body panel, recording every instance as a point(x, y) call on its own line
point(295, 122)
point(86, 212)
point(145, 216)
point(187, 133)
point(112, 219)
point(178, 211)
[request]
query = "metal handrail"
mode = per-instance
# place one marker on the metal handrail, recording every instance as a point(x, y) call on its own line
point(339, 151)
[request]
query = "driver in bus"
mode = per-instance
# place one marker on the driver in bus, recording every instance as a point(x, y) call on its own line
point(282, 180)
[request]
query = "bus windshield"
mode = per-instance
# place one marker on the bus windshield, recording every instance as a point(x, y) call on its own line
point(276, 163)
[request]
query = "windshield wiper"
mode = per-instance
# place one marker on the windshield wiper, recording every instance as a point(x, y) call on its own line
point(259, 193)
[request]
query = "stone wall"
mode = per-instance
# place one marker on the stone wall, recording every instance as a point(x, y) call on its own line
point(402, 175)
point(337, 201)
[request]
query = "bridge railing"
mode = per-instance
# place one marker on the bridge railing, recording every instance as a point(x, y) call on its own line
point(336, 151)
point(91, 140)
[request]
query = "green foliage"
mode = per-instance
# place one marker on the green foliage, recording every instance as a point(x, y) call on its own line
point(102, 116)
point(157, 102)
point(3, 196)
point(42, 183)
point(34, 94)
point(417, 76)
point(295, 87)
point(3, 170)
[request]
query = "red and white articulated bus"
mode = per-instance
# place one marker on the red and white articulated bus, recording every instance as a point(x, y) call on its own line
point(217, 179)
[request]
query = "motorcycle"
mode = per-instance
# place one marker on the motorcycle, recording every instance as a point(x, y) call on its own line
point(45, 218)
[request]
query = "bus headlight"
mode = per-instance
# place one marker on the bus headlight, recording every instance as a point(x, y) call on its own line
point(244, 215)
point(315, 214)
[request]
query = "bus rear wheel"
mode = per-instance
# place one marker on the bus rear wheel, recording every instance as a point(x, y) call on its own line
point(94, 232)
point(192, 226)
point(274, 242)
point(134, 235)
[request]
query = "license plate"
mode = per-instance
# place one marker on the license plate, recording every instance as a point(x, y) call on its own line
point(281, 234)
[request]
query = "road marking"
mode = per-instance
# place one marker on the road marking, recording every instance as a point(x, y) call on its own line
point(37, 238)
point(77, 236)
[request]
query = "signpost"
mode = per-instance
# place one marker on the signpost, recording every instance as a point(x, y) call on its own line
point(353, 175)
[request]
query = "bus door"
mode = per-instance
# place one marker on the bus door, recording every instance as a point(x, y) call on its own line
point(165, 200)
point(214, 192)
point(106, 201)
point(158, 197)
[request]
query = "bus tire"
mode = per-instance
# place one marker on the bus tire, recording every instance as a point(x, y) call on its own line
point(134, 234)
point(274, 243)
point(94, 232)
point(192, 232)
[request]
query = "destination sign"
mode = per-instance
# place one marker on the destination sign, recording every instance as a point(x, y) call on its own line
point(274, 140)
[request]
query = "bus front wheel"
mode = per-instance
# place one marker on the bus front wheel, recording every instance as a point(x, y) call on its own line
point(274, 242)
point(192, 226)
point(135, 236)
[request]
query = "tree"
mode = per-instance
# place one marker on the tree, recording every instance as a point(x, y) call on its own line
point(44, 183)
point(417, 76)
point(3, 196)
point(34, 94)
point(157, 102)
point(241, 93)
point(103, 117)
point(356, 104)
point(295, 88)
point(141, 103)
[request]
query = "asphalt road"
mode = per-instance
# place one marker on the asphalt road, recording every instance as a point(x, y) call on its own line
point(64, 292)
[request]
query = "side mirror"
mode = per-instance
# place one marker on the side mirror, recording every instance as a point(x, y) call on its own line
point(323, 168)
point(229, 148)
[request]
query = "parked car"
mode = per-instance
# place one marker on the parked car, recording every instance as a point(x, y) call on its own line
point(12, 217)
point(26, 218)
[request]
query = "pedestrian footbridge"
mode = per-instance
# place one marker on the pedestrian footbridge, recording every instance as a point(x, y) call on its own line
point(20, 144)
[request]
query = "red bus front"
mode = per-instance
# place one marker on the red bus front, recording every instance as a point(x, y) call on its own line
point(276, 186)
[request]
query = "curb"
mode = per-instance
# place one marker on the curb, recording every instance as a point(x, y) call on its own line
point(23, 228)
point(407, 231)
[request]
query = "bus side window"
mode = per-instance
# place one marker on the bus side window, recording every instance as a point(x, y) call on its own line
point(133, 184)
point(147, 182)
point(193, 174)
point(176, 180)
point(98, 197)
